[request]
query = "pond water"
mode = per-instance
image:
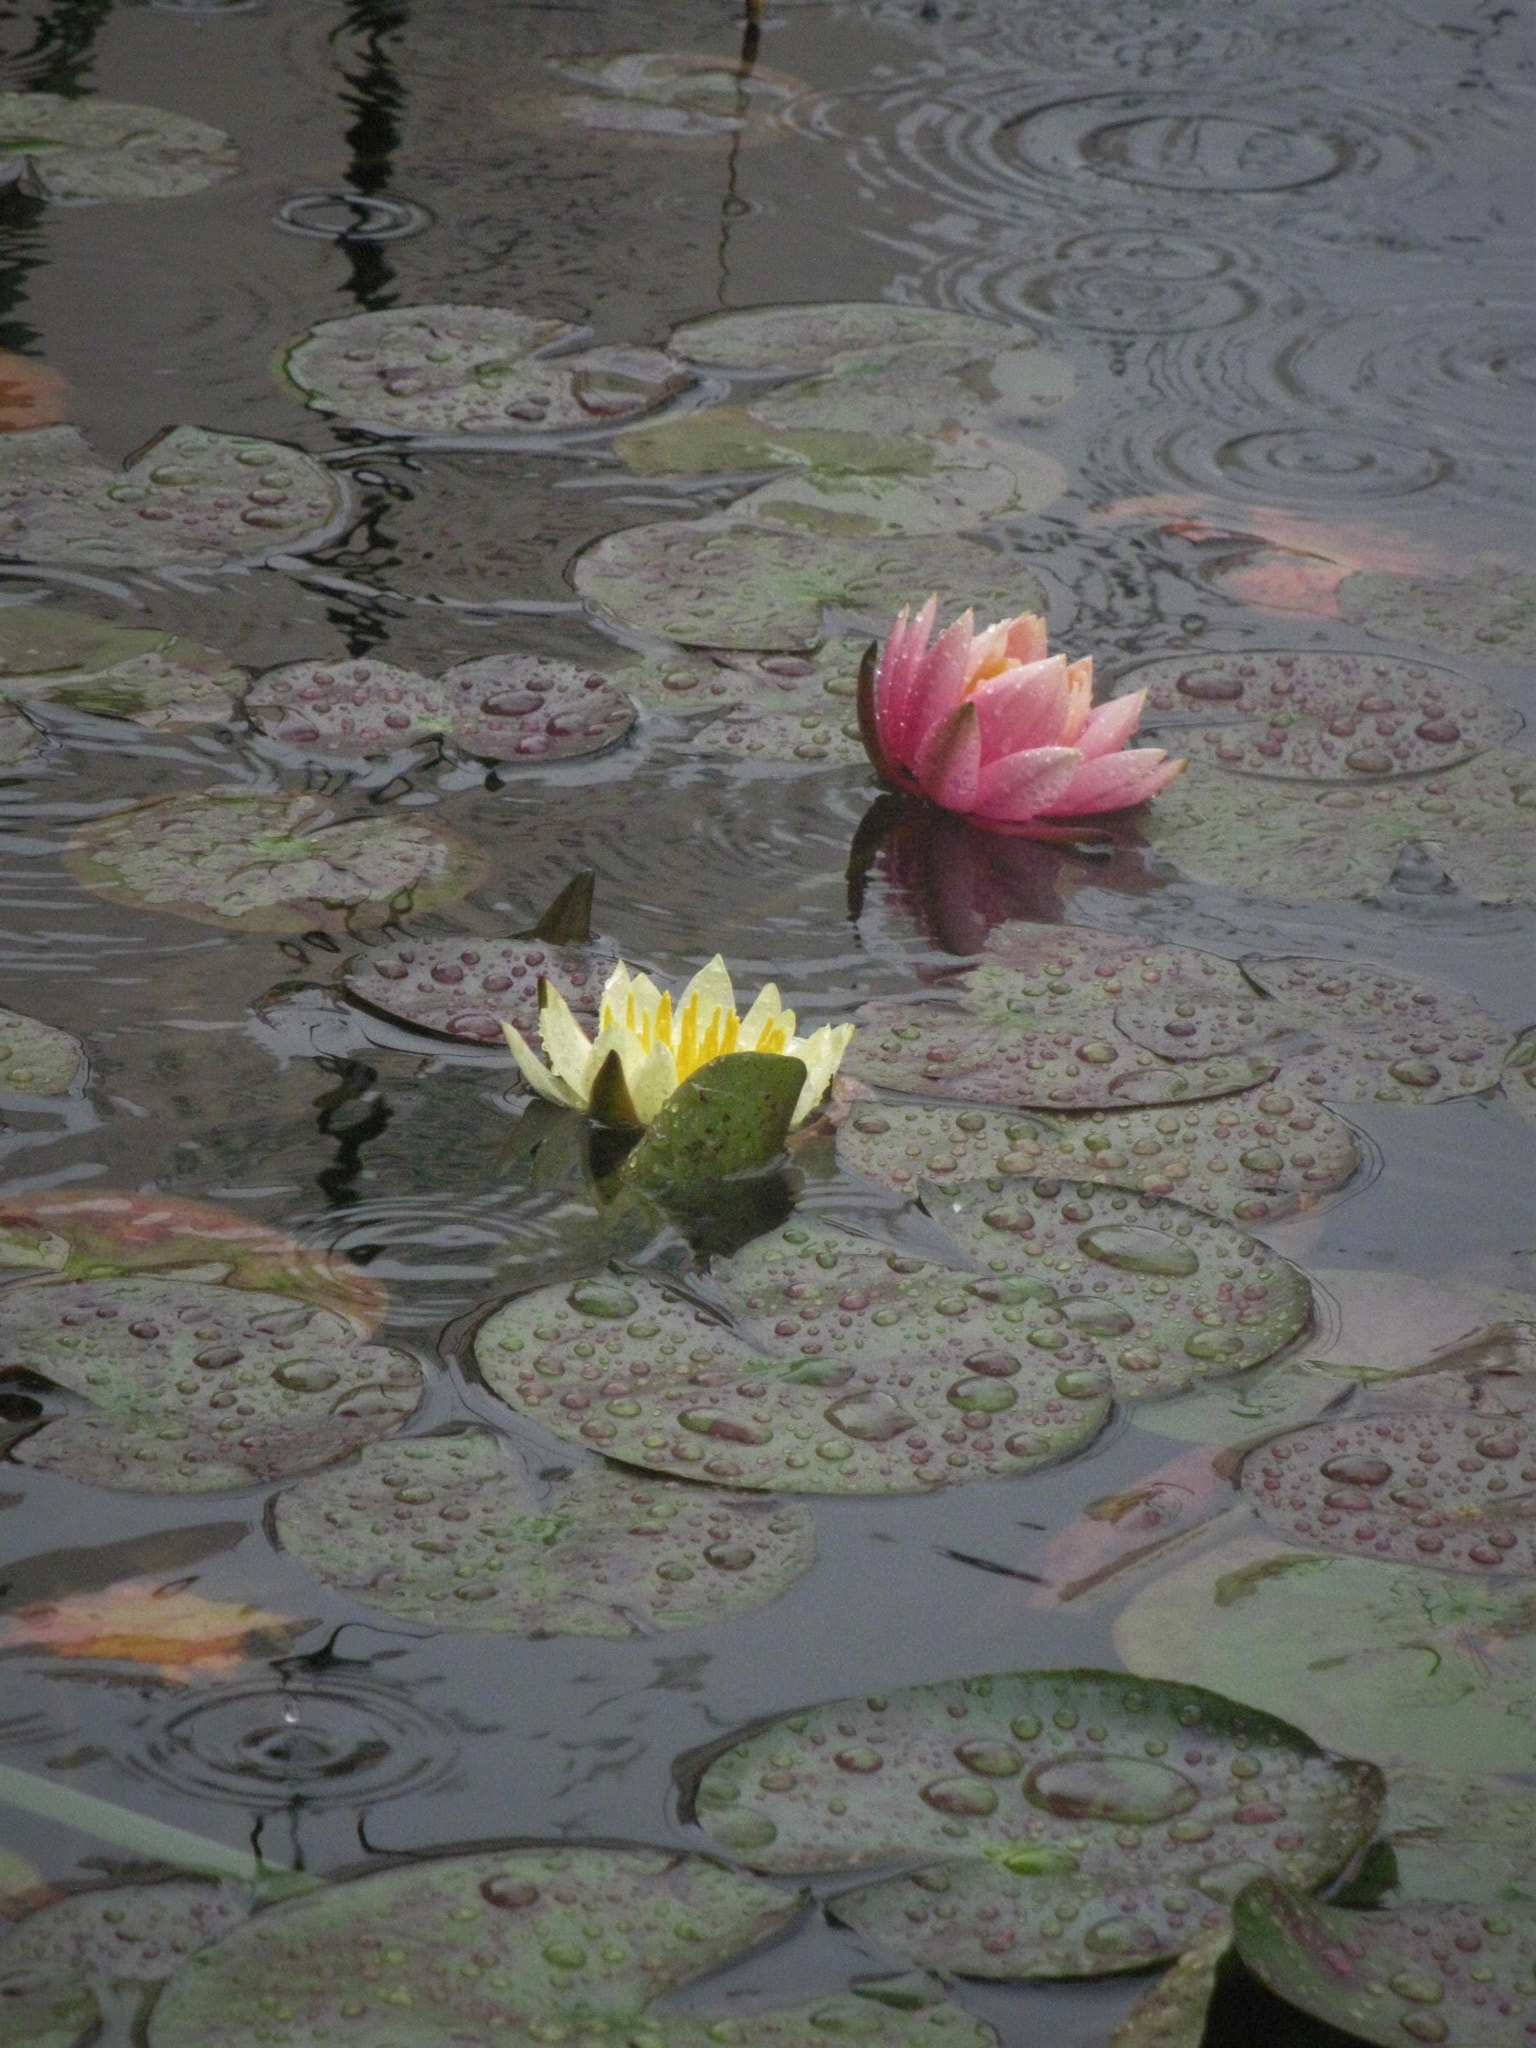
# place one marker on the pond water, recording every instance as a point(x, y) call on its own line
point(1209, 329)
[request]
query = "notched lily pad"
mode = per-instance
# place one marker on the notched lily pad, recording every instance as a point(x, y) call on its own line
point(194, 1386)
point(1489, 613)
point(663, 97)
point(191, 498)
point(78, 152)
point(37, 1058)
point(48, 655)
point(269, 863)
point(452, 1531)
point(1454, 1974)
point(1079, 1822)
point(472, 370)
point(466, 988)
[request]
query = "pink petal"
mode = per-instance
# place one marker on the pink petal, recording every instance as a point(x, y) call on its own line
point(1079, 699)
point(1114, 782)
point(1019, 787)
point(950, 761)
point(1023, 707)
point(939, 686)
point(1026, 638)
point(895, 689)
point(1110, 725)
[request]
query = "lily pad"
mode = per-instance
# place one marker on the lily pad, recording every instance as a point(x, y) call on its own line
point(191, 497)
point(68, 1234)
point(1319, 717)
point(122, 1934)
point(1243, 1411)
point(931, 388)
point(1170, 1298)
point(270, 863)
point(812, 740)
point(472, 370)
point(48, 655)
point(894, 2018)
point(728, 586)
point(466, 988)
point(1489, 613)
point(503, 707)
point(1519, 1075)
point(843, 1369)
point(512, 1944)
point(1068, 1823)
point(193, 1386)
point(800, 339)
point(451, 1531)
point(81, 151)
point(1172, 2012)
point(1457, 1974)
point(731, 1117)
point(1467, 1839)
point(47, 2016)
point(670, 98)
point(1405, 1664)
point(798, 709)
point(37, 1059)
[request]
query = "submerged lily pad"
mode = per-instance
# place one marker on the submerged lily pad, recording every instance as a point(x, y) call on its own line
point(844, 1369)
point(1079, 1823)
point(801, 339)
point(270, 863)
point(467, 988)
point(156, 679)
point(36, 1058)
point(1319, 717)
point(472, 370)
point(503, 707)
point(729, 586)
point(1454, 1974)
point(47, 2015)
point(453, 1532)
point(1519, 1075)
point(1489, 612)
point(194, 1386)
point(80, 151)
point(662, 97)
point(192, 497)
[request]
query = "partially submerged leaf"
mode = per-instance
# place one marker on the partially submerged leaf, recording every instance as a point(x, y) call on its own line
point(31, 394)
point(670, 98)
point(47, 2015)
point(49, 655)
point(467, 987)
point(567, 920)
point(162, 1625)
point(799, 340)
point(37, 1058)
point(1488, 611)
point(78, 152)
point(20, 739)
point(1171, 2013)
point(1129, 1527)
point(730, 1117)
point(1451, 1836)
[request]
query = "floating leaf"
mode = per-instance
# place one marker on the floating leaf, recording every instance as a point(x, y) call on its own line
point(31, 394)
point(941, 385)
point(72, 1235)
point(472, 370)
point(847, 1369)
point(1405, 1664)
point(193, 1386)
point(1453, 1837)
point(452, 1532)
point(1241, 1411)
point(510, 1943)
point(163, 1625)
point(802, 339)
point(1171, 2013)
point(36, 1058)
point(191, 497)
point(1489, 612)
point(46, 2015)
point(662, 97)
point(80, 151)
point(1519, 1076)
point(61, 657)
point(467, 988)
point(730, 1117)
point(797, 709)
point(719, 585)
point(504, 707)
point(1457, 1974)
point(1105, 1824)
point(1129, 1527)
point(812, 740)
point(1319, 717)
point(869, 2013)
point(269, 863)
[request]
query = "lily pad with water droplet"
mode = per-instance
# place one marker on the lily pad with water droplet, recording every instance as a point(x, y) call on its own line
point(1453, 1974)
point(472, 370)
point(844, 1368)
point(1459, 1837)
point(933, 389)
point(1171, 2013)
point(193, 1386)
point(37, 1058)
point(467, 987)
point(730, 586)
point(270, 863)
point(1318, 717)
point(192, 498)
point(1067, 1823)
point(730, 1117)
point(797, 709)
point(869, 2013)
point(1169, 1297)
point(510, 1945)
point(525, 708)
point(665, 98)
point(124, 1934)
point(813, 740)
point(451, 1531)
point(48, 655)
point(78, 152)
point(1489, 613)
point(799, 340)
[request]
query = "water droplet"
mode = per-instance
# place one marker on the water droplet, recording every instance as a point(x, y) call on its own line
point(306, 1376)
point(1417, 1985)
point(982, 1396)
point(1213, 1344)
point(1133, 1250)
point(1122, 1936)
point(743, 1831)
point(1119, 1788)
point(1359, 1471)
point(509, 1893)
point(990, 1759)
point(602, 1298)
point(960, 1796)
point(860, 1759)
point(1415, 1073)
point(872, 1418)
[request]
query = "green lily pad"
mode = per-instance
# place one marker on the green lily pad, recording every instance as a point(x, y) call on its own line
point(1467, 1839)
point(1405, 1664)
point(1249, 1158)
point(47, 2016)
point(510, 1945)
point(869, 2013)
point(1172, 2012)
point(1069, 1823)
point(122, 1934)
point(52, 656)
point(194, 1386)
point(1453, 1974)
point(1170, 1297)
point(930, 388)
point(844, 1369)
point(812, 740)
point(472, 370)
point(731, 1117)
point(666, 98)
point(451, 1531)
point(722, 440)
point(1318, 717)
point(37, 1059)
point(78, 152)
point(1489, 613)
point(802, 339)
point(466, 988)
point(1519, 1076)
point(503, 707)
point(191, 497)
point(270, 863)
point(796, 709)
point(729, 586)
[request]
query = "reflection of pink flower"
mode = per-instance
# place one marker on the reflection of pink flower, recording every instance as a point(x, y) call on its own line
point(990, 725)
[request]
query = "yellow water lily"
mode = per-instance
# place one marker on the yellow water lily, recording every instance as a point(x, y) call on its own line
point(646, 1046)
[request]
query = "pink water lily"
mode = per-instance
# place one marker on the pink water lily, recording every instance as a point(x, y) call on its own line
point(994, 727)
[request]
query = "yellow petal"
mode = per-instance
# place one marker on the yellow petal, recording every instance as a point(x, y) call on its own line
point(823, 1053)
point(711, 989)
point(537, 1075)
point(763, 1011)
point(652, 1082)
point(566, 1045)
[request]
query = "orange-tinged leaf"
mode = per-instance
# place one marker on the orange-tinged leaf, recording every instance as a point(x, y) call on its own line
point(1127, 1528)
point(159, 1624)
point(31, 395)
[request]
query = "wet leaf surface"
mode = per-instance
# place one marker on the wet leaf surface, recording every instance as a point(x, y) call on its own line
point(1489, 614)
point(730, 1118)
point(812, 740)
point(192, 497)
point(452, 1531)
point(1453, 1974)
point(1171, 2012)
point(78, 152)
point(48, 2016)
point(37, 1058)
point(795, 709)
point(675, 98)
point(1241, 1411)
point(193, 1386)
point(49, 655)
point(159, 1624)
point(799, 340)
point(1459, 1837)
point(467, 987)
point(944, 383)
point(1105, 1824)
point(270, 863)
point(128, 1933)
